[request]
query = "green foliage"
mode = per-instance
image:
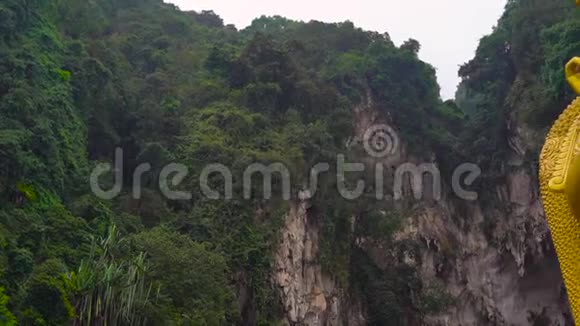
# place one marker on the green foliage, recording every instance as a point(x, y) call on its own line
point(379, 225)
point(6, 317)
point(247, 246)
point(208, 18)
point(192, 280)
point(517, 75)
point(79, 79)
point(47, 295)
point(412, 46)
point(388, 294)
point(275, 24)
point(64, 75)
point(436, 299)
point(560, 43)
point(406, 88)
point(108, 287)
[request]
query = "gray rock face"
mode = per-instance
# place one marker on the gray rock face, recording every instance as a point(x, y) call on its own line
point(510, 278)
point(310, 297)
point(495, 259)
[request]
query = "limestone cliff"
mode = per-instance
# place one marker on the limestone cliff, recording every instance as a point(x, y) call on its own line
point(505, 276)
point(493, 256)
point(309, 296)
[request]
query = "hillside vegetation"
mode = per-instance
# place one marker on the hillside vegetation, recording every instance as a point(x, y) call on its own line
point(79, 79)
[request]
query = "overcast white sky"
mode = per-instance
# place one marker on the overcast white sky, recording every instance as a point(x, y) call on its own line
point(448, 30)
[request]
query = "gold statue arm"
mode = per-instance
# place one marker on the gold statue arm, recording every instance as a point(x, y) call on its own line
point(573, 73)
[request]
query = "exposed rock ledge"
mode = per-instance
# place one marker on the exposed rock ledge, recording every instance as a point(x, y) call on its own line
point(310, 297)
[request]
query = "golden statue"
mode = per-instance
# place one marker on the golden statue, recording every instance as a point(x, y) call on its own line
point(560, 187)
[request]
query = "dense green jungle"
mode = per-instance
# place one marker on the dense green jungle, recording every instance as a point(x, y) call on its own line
point(80, 79)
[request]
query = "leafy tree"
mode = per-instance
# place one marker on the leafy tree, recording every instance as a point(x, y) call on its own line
point(208, 18)
point(79, 79)
point(193, 283)
point(411, 45)
point(560, 42)
point(46, 295)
